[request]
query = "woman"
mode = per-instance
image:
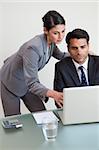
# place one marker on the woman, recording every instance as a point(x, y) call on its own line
point(19, 74)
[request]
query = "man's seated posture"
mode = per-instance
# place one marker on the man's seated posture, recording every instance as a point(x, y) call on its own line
point(80, 69)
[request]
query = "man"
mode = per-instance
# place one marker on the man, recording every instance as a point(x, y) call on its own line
point(68, 72)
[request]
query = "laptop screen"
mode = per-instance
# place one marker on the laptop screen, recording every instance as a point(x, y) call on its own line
point(81, 105)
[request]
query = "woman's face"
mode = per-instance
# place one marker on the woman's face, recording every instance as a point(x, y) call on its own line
point(55, 34)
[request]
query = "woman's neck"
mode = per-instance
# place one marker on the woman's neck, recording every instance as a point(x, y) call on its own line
point(48, 41)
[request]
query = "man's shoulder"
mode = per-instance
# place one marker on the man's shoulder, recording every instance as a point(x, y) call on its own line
point(64, 61)
point(95, 57)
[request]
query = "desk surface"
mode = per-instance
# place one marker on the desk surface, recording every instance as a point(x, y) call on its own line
point(30, 137)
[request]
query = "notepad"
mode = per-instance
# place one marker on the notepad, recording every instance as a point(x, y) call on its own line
point(39, 116)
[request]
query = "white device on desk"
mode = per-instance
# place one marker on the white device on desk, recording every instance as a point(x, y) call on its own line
point(80, 105)
point(11, 123)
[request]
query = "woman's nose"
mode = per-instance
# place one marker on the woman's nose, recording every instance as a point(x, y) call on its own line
point(61, 36)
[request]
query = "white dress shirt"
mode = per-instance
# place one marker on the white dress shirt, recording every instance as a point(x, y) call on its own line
point(85, 69)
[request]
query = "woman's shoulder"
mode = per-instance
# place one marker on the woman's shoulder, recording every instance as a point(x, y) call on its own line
point(37, 42)
point(38, 37)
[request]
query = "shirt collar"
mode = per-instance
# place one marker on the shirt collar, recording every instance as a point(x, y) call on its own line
point(85, 64)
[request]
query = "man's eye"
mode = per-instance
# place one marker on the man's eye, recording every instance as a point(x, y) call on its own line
point(55, 33)
point(74, 48)
point(83, 47)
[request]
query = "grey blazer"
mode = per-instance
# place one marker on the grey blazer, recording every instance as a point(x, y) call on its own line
point(67, 76)
point(20, 71)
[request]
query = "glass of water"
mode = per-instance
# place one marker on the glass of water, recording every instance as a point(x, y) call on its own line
point(50, 127)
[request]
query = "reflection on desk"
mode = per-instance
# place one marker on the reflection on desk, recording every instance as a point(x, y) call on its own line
point(30, 136)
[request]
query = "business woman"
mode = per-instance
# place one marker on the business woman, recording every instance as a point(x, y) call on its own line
point(19, 74)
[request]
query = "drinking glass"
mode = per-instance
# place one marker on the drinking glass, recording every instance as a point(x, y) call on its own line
point(50, 127)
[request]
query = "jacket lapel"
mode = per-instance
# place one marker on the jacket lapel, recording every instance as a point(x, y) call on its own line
point(91, 70)
point(44, 49)
point(72, 71)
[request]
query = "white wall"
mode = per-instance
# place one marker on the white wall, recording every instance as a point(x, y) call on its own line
point(20, 21)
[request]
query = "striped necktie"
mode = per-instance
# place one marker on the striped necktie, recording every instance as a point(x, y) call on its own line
point(83, 77)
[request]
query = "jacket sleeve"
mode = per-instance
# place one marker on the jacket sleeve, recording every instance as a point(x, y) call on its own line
point(58, 79)
point(30, 66)
point(59, 54)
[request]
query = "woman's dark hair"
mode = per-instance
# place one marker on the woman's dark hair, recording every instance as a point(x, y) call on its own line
point(78, 34)
point(51, 19)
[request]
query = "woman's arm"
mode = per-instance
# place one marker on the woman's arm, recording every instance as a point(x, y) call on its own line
point(59, 54)
point(57, 96)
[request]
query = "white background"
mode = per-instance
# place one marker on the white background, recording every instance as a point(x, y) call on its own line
point(20, 21)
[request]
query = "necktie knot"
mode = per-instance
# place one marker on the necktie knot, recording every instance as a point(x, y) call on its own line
point(83, 77)
point(81, 68)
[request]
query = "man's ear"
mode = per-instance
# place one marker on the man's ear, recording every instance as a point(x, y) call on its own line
point(90, 52)
point(45, 30)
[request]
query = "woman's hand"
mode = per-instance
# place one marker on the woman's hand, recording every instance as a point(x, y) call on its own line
point(57, 96)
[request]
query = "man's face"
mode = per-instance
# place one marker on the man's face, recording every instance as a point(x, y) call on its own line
point(78, 49)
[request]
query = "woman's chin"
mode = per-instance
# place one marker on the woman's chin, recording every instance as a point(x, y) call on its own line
point(58, 42)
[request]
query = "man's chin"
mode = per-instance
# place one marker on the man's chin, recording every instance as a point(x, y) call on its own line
point(80, 61)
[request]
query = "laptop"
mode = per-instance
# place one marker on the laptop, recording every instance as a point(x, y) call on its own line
point(80, 105)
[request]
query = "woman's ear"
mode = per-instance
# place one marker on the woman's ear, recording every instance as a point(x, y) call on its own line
point(45, 30)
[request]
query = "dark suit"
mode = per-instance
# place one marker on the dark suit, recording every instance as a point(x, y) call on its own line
point(67, 76)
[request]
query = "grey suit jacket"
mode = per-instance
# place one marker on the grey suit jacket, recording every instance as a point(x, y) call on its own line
point(67, 76)
point(20, 71)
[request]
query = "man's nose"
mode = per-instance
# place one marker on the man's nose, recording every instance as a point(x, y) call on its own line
point(79, 50)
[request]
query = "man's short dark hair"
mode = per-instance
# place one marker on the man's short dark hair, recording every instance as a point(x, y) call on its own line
point(78, 34)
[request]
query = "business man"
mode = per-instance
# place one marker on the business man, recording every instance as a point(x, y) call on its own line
point(80, 69)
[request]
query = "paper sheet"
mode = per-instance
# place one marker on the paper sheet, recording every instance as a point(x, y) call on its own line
point(39, 116)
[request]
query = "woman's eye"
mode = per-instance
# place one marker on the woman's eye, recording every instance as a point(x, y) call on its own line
point(63, 31)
